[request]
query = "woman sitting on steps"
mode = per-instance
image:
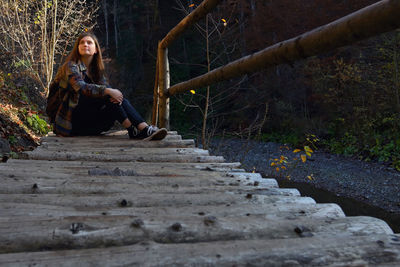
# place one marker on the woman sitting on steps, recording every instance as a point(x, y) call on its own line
point(87, 104)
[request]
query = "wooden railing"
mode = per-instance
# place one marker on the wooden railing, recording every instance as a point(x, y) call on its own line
point(378, 18)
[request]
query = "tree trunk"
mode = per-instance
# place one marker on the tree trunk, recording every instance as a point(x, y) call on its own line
point(52, 47)
point(243, 48)
point(253, 7)
point(115, 26)
point(204, 128)
point(106, 21)
point(396, 71)
point(45, 56)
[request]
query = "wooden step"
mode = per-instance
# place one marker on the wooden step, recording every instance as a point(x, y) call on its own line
point(27, 181)
point(26, 211)
point(119, 230)
point(121, 134)
point(118, 139)
point(55, 141)
point(14, 173)
point(117, 157)
point(153, 200)
point(107, 200)
point(13, 164)
point(341, 250)
point(128, 150)
point(120, 143)
point(77, 187)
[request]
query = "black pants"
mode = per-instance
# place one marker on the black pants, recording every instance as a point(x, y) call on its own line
point(93, 116)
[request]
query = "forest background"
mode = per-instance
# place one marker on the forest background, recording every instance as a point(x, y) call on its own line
point(349, 97)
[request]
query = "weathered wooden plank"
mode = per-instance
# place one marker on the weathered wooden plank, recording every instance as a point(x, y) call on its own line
point(71, 173)
point(26, 211)
point(98, 231)
point(113, 133)
point(108, 137)
point(124, 143)
point(342, 250)
point(97, 139)
point(26, 179)
point(154, 200)
point(17, 171)
point(209, 166)
point(126, 168)
point(125, 150)
point(59, 142)
point(120, 203)
point(81, 167)
point(114, 173)
point(74, 156)
point(77, 187)
point(124, 132)
point(91, 140)
point(76, 172)
point(121, 170)
point(69, 169)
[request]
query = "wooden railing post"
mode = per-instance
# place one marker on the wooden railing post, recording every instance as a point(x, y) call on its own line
point(156, 97)
point(163, 87)
point(162, 115)
point(367, 22)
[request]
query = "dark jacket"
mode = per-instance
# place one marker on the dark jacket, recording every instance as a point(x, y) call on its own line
point(73, 83)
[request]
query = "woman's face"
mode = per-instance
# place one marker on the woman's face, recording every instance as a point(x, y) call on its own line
point(87, 47)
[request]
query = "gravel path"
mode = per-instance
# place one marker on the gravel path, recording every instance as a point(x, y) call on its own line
point(372, 183)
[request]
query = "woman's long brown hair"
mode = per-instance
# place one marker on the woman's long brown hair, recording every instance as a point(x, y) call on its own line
point(96, 67)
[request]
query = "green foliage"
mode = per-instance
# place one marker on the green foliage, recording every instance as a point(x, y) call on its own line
point(284, 165)
point(355, 98)
point(37, 124)
point(22, 64)
point(346, 145)
point(13, 155)
point(187, 119)
point(284, 138)
point(12, 140)
point(377, 140)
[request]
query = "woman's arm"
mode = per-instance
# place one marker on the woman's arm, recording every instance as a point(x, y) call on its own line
point(115, 94)
point(79, 85)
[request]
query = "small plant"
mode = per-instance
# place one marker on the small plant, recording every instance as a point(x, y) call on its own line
point(280, 164)
point(286, 165)
point(12, 140)
point(13, 155)
point(37, 124)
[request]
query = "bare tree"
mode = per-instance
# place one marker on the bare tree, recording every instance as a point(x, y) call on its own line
point(36, 32)
point(213, 31)
point(105, 12)
point(115, 14)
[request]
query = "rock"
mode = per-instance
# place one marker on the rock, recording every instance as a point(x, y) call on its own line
point(4, 146)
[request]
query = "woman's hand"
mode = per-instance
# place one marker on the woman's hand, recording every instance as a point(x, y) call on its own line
point(115, 94)
point(115, 101)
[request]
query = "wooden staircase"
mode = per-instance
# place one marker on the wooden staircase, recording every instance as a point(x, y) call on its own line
point(110, 201)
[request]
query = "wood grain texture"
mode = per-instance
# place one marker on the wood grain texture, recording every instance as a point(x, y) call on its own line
point(107, 206)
